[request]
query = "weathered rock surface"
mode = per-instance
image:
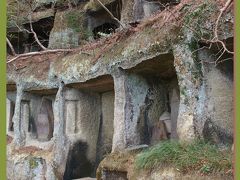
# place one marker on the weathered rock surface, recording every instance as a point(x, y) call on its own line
point(107, 95)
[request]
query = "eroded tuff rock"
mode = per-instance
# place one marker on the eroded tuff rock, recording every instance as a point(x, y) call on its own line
point(68, 110)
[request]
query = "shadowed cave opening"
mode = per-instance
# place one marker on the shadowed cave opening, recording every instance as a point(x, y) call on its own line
point(100, 23)
point(24, 42)
point(78, 166)
point(104, 29)
point(42, 28)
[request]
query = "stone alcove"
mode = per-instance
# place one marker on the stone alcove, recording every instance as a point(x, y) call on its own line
point(100, 22)
point(42, 28)
point(23, 41)
point(142, 94)
point(36, 116)
point(41, 122)
point(89, 111)
point(29, 106)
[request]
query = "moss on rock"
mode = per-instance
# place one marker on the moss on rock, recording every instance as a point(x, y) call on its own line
point(33, 163)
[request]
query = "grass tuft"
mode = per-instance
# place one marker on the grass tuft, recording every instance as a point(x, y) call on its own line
point(199, 156)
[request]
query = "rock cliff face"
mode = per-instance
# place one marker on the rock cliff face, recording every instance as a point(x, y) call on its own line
point(67, 110)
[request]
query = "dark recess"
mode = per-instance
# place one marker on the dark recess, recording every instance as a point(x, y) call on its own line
point(78, 166)
point(106, 28)
point(42, 28)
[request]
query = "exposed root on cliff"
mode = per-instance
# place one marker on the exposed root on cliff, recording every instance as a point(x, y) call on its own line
point(39, 53)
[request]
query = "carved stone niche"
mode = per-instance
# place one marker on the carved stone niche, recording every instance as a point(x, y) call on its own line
point(45, 121)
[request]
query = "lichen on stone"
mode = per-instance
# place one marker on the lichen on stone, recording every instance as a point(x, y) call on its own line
point(33, 163)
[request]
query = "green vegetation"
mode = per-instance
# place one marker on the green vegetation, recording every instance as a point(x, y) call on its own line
point(198, 156)
point(33, 163)
point(197, 19)
point(75, 20)
point(197, 16)
point(197, 70)
point(183, 92)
